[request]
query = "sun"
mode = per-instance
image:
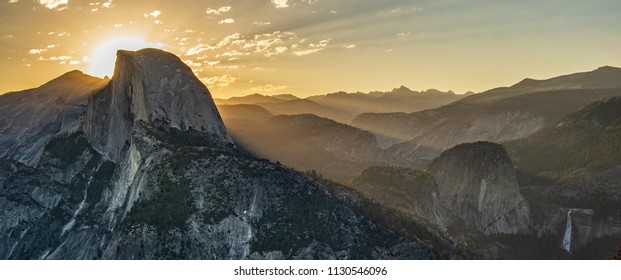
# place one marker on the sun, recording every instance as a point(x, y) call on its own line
point(103, 57)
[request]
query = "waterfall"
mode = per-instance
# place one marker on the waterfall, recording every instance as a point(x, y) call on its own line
point(567, 237)
point(71, 223)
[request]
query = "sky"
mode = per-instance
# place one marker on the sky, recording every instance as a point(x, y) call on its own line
point(310, 47)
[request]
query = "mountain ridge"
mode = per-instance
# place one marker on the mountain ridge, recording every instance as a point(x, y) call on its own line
point(139, 178)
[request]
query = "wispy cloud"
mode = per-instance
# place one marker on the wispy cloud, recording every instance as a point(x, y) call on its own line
point(219, 81)
point(53, 4)
point(404, 10)
point(280, 3)
point(154, 14)
point(314, 47)
point(267, 88)
point(226, 21)
point(63, 58)
point(218, 11)
point(37, 51)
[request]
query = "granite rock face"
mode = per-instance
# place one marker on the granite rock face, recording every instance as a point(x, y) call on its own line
point(152, 86)
point(478, 188)
point(472, 187)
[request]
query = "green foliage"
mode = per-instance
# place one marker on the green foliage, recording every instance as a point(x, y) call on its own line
point(218, 204)
point(603, 248)
point(298, 221)
point(178, 138)
point(602, 205)
point(180, 161)
point(67, 148)
point(588, 139)
point(567, 150)
point(529, 247)
point(101, 180)
point(169, 208)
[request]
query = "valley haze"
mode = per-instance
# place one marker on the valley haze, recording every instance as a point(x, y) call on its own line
point(310, 130)
point(145, 165)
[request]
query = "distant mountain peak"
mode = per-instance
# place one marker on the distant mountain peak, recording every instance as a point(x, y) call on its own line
point(607, 68)
point(401, 89)
point(527, 82)
point(74, 76)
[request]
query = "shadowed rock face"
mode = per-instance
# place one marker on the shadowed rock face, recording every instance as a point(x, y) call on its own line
point(477, 186)
point(408, 190)
point(28, 119)
point(152, 86)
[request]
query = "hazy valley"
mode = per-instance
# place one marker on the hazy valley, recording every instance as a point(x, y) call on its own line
point(146, 165)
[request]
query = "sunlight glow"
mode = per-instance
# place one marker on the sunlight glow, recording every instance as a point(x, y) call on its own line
point(104, 56)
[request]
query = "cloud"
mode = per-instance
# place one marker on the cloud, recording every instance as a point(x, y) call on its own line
point(13, 1)
point(226, 21)
point(349, 46)
point(219, 81)
point(280, 3)
point(218, 11)
point(105, 5)
point(407, 10)
point(231, 54)
point(64, 59)
point(261, 23)
point(198, 49)
point(267, 88)
point(404, 34)
point(154, 14)
point(37, 51)
point(53, 4)
point(314, 47)
point(281, 49)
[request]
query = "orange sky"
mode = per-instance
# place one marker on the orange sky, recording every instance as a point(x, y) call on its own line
point(307, 47)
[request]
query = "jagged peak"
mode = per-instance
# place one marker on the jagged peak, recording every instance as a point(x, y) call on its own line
point(402, 88)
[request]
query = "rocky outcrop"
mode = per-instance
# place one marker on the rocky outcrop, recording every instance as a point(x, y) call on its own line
point(470, 188)
point(478, 188)
point(28, 119)
point(151, 86)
